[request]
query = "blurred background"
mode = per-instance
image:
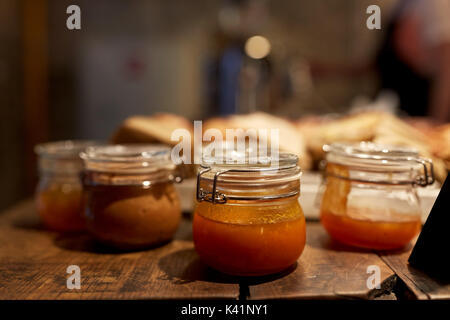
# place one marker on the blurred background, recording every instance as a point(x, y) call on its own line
point(204, 58)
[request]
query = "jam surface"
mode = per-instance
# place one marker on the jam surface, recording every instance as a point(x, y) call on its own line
point(60, 207)
point(249, 240)
point(132, 217)
point(371, 234)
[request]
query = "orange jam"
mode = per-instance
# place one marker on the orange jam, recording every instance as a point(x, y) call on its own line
point(379, 229)
point(372, 234)
point(60, 207)
point(249, 239)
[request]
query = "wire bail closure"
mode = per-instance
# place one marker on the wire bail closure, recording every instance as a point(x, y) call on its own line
point(215, 196)
point(429, 178)
point(424, 180)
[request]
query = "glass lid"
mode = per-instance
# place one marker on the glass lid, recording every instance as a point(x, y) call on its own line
point(244, 176)
point(63, 150)
point(130, 158)
point(369, 150)
point(403, 165)
point(62, 157)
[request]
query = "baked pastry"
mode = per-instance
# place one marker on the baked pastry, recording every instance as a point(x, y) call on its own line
point(290, 139)
point(353, 128)
point(440, 143)
point(376, 126)
point(394, 131)
point(151, 129)
point(156, 129)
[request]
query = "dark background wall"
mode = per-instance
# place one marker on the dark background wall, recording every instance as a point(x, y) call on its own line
point(11, 112)
point(146, 56)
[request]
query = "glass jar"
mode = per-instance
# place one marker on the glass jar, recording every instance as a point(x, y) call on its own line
point(59, 192)
point(247, 218)
point(130, 200)
point(369, 194)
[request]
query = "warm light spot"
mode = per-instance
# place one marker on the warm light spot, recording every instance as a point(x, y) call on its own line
point(257, 47)
point(146, 184)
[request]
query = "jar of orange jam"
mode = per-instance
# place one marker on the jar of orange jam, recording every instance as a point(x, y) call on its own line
point(130, 200)
point(369, 195)
point(59, 191)
point(247, 220)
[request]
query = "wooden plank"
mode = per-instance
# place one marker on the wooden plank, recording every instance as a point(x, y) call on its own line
point(326, 270)
point(33, 265)
point(421, 285)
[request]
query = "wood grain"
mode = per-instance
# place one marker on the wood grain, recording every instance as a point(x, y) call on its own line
point(420, 284)
point(33, 265)
point(326, 270)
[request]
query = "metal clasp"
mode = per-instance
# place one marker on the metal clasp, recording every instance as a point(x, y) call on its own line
point(429, 178)
point(214, 196)
point(217, 197)
point(424, 180)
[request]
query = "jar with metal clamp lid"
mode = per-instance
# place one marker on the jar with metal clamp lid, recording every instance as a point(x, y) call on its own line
point(369, 194)
point(130, 200)
point(59, 191)
point(247, 219)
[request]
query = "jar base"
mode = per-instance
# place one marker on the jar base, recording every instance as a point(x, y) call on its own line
point(375, 235)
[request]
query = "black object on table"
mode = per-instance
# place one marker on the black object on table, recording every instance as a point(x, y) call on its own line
point(428, 254)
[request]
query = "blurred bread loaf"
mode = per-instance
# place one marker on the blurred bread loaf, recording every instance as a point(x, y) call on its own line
point(438, 137)
point(290, 139)
point(155, 129)
point(376, 126)
point(151, 129)
point(353, 128)
point(306, 136)
point(394, 131)
point(440, 143)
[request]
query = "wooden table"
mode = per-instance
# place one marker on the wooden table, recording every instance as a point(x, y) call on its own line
point(33, 265)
